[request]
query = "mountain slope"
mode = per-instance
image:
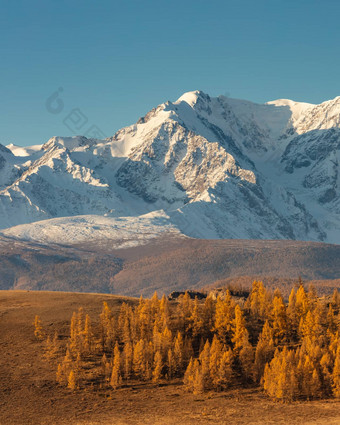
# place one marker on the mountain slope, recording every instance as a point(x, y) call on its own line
point(216, 167)
point(164, 263)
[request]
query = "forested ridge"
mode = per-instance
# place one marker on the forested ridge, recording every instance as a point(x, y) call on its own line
point(291, 349)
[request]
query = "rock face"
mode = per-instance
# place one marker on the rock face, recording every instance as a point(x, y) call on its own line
point(215, 167)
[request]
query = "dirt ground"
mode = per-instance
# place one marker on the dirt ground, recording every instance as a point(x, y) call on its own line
point(29, 394)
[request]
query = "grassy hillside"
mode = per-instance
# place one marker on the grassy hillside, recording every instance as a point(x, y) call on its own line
point(29, 394)
point(163, 265)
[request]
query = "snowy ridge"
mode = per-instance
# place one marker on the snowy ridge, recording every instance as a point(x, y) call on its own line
point(125, 232)
point(214, 167)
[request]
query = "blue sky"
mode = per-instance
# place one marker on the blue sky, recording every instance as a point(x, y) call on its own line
point(115, 60)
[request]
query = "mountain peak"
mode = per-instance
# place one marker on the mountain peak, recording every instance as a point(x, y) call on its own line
point(288, 102)
point(192, 97)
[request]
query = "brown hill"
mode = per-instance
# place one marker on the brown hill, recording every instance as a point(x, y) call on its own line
point(164, 265)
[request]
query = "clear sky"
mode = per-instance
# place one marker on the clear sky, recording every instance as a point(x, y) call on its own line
point(115, 60)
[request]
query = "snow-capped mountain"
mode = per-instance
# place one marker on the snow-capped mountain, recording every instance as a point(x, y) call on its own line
point(209, 167)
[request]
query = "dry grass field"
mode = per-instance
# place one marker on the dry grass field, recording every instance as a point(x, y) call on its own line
point(29, 394)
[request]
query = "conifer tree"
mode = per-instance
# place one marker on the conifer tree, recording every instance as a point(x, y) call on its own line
point(279, 320)
point(224, 317)
point(164, 314)
point(279, 380)
point(195, 324)
point(116, 377)
point(203, 374)
point(38, 329)
point(106, 368)
point(72, 381)
point(73, 342)
point(157, 367)
point(156, 338)
point(239, 330)
point(184, 312)
point(336, 374)
point(88, 335)
point(216, 352)
point(188, 351)
point(264, 351)
point(141, 362)
point(189, 376)
point(67, 362)
point(331, 320)
point(144, 319)
point(60, 375)
point(292, 314)
point(200, 379)
point(258, 300)
point(171, 364)
point(246, 357)
point(80, 321)
point(78, 364)
point(154, 304)
point(208, 316)
point(166, 341)
point(326, 365)
point(52, 347)
point(334, 342)
point(306, 325)
point(178, 354)
point(336, 301)
point(127, 360)
point(225, 370)
point(301, 303)
point(108, 335)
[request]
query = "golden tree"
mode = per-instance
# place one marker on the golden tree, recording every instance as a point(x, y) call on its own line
point(163, 318)
point(72, 381)
point(60, 375)
point(200, 382)
point(336, 374)
point(258, 300)
point(204, 370)
point(246, 357)
point(208, 316)
point(264, 351)
point(178, 354)
point(238, 330)
point(195, 324)
point(52, 347)
point(279, 319)
point(38, 329)
point(166, 342)
point(116, 377)
point(106, 368)
point(171, 364)
point(326, 365)
point(88, 335)
point(127, 360)
point(184, 311)
point(225, 370)
point(216, 352)
point(141, 360)
point(157, 367)
point(188, 379)
point(279, 380)
point(301, 302)
point(224, 317)
point(336, 301)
